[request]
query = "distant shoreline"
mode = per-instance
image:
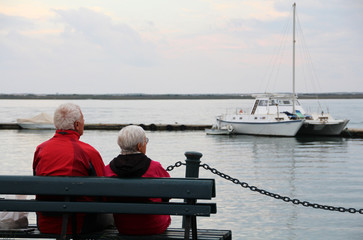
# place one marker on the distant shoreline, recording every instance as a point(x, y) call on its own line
point(358, 95)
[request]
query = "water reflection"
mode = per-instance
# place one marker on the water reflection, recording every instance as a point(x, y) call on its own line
point(301, 168)
point(17, 150)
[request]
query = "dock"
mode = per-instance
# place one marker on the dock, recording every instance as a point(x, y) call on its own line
point(149, 127)
point(352, 133)
point(347, 133)
point(112, 126)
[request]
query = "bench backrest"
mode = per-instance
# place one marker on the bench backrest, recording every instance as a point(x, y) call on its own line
point(175, 188)
point(104, 186)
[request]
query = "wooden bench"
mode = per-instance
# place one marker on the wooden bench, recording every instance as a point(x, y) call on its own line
point(184, 193)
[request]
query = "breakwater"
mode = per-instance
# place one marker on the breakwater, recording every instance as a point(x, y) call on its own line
point(111, 126)
point(142, 96)
point(352, 133)
point(149, 127)
point(347, 133)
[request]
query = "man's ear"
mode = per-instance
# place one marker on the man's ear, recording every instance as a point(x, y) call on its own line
point(139, 146)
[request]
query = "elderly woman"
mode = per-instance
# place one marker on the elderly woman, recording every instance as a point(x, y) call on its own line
point(132, 162)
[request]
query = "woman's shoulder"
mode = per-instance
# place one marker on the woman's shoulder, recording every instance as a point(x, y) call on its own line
point(156, 170)
point(108, 171)
point(155, 163)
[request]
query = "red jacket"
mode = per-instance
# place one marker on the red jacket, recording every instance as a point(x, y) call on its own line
point(65, 155)
point(138, 165)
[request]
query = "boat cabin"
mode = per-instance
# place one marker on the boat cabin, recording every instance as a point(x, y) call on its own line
point(273, 104)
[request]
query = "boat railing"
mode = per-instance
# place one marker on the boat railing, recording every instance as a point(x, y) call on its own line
point(235, 111)
point(280, 119)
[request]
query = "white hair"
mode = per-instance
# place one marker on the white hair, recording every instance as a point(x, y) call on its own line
point(65, 116)
point(129, 137)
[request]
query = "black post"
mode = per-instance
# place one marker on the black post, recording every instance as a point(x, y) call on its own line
point(191, 170)
point(192, 164)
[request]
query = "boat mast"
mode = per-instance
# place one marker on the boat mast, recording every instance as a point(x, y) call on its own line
point(293, 63)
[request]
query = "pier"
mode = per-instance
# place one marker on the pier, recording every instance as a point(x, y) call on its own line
point(113, 126)
point(352, 133)
point(347, 133)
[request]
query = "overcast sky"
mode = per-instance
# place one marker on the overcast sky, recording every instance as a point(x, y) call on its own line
point(179, 46)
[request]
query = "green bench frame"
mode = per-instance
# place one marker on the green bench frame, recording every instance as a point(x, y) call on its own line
point(188, 189)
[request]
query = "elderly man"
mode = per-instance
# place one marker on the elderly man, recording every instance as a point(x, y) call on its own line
point(132, 162)
point(65, 155)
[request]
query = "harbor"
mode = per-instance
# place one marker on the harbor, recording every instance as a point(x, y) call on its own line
point(254, 109)
point(323, 170)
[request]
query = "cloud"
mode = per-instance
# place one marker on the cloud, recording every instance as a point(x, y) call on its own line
point(116, 42)
point(14, 23)
point(89, 47)
point(179, 47)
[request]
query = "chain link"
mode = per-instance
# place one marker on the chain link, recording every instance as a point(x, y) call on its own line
point(269, 194)
point(177, 164)
point(277, 196)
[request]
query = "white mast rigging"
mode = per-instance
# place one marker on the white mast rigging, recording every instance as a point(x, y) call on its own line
point(293, 64)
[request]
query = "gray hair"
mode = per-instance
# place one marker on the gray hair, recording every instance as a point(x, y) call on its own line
point(129, 137)
point(65, 116)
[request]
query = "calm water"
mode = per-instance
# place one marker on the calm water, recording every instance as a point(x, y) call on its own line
point(319, 170)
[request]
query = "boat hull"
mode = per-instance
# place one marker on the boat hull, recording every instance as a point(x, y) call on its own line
point(277, 128)
point(36, 126)
point(317, 128)
point(217, 132)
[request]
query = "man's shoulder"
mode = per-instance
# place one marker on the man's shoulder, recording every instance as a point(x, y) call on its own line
point(44, 143)
point(87, 146)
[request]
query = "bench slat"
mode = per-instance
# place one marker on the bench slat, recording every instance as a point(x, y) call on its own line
point(140, 187)
point(198, 209)
point(170, 233)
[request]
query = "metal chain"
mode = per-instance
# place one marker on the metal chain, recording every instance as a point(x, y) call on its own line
point(277, 196)
point(177, 164)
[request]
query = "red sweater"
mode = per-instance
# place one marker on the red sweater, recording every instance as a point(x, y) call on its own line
point(65, 155)
point(140, 224)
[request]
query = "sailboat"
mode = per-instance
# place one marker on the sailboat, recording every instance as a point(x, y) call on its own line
point(322, 124)
point(264, 118)
point(278, 115)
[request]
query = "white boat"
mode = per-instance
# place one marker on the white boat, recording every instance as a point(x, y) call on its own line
point(281, 114)
point(217, 129)
point(264, 118)
point(323, 125)
point(40, 121)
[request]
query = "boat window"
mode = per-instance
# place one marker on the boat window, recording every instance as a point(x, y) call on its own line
point(240, 118)
point(273, 102)
point(262, 103)
point(285, 102)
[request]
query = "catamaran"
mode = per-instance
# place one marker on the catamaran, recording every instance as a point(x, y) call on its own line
point(278, 115)
point(266, 117)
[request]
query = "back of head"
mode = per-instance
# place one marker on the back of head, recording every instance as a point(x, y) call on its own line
point(129, 137)
point(65, 116)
